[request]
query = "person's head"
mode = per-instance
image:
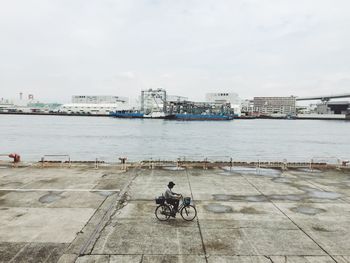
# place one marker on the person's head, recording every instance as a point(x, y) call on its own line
point(171, 185)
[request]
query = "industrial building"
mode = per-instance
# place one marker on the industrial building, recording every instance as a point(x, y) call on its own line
point(269, 106)
point(223, 98)
point(94, 105)
point(153, 100)
point(333, 107)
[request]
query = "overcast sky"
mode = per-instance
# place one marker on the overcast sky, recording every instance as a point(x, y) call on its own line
point(55, 49)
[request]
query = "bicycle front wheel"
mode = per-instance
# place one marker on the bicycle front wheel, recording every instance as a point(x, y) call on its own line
point(188, 212)
point(163, 212)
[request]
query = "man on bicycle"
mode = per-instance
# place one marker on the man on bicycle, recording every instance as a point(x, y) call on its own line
point(172, 198)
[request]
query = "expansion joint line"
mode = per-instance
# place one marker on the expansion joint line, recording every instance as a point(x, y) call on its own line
point(290, 219)
point(198, 224)
point(92, 240)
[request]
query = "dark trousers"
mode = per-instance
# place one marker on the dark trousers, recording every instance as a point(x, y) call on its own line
point(173, 202)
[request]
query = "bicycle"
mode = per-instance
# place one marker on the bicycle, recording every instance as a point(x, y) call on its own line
point(163, 211)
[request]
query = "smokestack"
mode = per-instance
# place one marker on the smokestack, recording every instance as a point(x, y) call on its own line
point(20, 95)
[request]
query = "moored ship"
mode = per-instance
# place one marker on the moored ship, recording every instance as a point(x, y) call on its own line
point(203, 117)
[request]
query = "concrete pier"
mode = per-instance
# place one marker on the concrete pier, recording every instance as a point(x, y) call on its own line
point(79, 214)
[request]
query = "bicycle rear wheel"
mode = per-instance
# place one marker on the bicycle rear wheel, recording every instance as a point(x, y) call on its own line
point(188, 212)
point(163, 212)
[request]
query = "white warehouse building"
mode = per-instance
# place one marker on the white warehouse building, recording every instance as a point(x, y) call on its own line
point(225, 97)
point(98, 99)
point(95, 105)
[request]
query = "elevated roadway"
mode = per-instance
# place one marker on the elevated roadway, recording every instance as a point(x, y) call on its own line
point(325, 98)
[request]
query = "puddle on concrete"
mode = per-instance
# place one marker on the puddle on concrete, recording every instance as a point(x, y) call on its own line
point(305, 188)
point(318, 194)
point(269, 172)
point(320, 229)
point(228, 174)
point(290, 197)
point(252, 171)
point(255, 198)
point(50, 198)
point(323, 195)
point(282, 180)
point(306, 210)
point(217, 208)
point(173, 168)
point(247, 198)
point(309, 194)
point(307, 170)
point(222, 197)
point(248, 210)
point(306, 173)
point(240, 170)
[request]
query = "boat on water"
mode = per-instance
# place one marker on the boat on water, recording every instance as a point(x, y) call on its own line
point(203, 117)
point(140, 115)
point(162, 115)
point(127, 114)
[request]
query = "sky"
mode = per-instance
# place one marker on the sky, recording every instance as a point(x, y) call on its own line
point(58, 48)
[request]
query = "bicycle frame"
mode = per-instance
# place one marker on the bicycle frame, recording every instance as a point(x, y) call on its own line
point(182, 205)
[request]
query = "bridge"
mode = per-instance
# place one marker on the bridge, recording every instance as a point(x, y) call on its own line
point(325, 98)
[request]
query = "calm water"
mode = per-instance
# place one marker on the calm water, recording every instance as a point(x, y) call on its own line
point(87, 138)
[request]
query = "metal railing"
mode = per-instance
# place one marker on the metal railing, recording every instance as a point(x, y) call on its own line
point(49, 156)
point(206, 162)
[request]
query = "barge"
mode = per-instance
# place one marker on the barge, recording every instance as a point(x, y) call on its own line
point(182, 116)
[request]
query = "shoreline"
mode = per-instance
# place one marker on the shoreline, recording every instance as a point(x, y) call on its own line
point(104, 115)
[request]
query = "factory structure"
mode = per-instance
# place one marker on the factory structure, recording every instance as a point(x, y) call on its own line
point(158, 103)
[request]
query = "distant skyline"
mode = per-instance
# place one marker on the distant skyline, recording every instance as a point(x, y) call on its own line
point(56, 49)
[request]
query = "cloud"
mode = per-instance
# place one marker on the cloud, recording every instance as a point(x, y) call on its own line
point(126, 75)
point(252, 47)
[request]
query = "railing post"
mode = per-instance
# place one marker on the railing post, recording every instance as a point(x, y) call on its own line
point(151, 164)
point(205, 164)
point(285, 164)
point(311, 162)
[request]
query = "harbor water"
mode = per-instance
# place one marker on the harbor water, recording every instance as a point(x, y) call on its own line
point(87, 138)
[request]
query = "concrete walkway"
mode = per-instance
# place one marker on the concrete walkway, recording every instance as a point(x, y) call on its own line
point(105, 215)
